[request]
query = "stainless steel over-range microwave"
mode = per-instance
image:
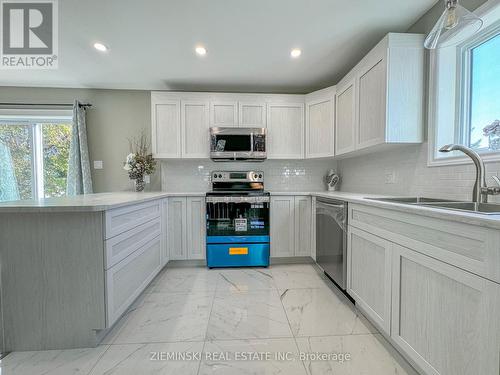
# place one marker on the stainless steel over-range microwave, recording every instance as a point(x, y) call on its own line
point(242, 144)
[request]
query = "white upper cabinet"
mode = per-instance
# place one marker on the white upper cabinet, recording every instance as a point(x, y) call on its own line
point(252, 115)
point(320, 124)
point(285, 130)
point(372, 99)
point(166, 127)
point(345, 120)
point(195, 134)
point(381, 100)
point(224, 113)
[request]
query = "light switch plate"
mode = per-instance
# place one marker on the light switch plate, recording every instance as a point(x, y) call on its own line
point(390, 176)
point(98, 164)
point(147, 179)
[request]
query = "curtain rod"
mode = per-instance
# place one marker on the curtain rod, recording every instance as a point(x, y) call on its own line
point(86, 105)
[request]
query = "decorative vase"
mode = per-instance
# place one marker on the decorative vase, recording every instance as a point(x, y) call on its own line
point(139, 184)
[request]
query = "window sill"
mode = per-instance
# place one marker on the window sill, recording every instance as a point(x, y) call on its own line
point(488, 157)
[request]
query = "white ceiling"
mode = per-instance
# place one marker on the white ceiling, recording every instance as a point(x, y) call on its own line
point(248, 41)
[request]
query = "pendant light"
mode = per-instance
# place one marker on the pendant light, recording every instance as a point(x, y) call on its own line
point(455, 24)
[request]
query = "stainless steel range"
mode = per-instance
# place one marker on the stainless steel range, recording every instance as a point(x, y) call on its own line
point(237, 220)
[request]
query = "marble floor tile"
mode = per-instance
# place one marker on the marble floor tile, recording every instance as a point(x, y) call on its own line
point(242, 315)
point(265, 358)
point(298, 276)
point(148, 359)
point(168, 317)
point(245, 279)
point(51, 362)
point(321, 312)
point(369, 355)
point(186, 279)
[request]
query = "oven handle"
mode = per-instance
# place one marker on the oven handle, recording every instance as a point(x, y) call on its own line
point(237, 199)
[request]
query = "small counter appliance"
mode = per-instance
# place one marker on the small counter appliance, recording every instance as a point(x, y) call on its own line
point(237, 220)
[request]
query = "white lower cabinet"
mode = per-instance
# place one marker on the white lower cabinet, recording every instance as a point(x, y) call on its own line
point(127, 279)
point(176, 235)
point(369, 276)
point(444, 318)
point(164, 237)
point(291, 226)
point(282, 226)
point(196, 227)
point(303, 225)
point(186, 229)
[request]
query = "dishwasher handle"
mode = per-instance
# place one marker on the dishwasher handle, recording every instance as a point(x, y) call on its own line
point(337, 212)
point(339, 206)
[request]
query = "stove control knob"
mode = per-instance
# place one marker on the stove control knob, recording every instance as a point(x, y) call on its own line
point(215, 175)
point(220, 176)
point(260, 175)
point(255, 175)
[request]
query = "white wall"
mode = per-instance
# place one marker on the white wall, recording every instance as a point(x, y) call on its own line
point(279, 175)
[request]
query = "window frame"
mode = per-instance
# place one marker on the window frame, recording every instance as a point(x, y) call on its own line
point(464, 97)
point(459, 97)
point(33, 119)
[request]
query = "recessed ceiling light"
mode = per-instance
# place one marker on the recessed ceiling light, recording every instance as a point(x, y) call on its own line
point(296, 52)
point(200, 50)
point(100, 47)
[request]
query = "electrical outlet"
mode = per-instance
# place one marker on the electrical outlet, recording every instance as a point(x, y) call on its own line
point(147, 179)
point(98, 164)
point(390, 177)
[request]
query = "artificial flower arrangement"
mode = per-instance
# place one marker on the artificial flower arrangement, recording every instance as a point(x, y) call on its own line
point(140, 161)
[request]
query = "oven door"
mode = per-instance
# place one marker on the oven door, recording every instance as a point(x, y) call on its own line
point(237, 216)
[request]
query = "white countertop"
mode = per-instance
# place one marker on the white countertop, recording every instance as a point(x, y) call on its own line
point(107, 201)
point(88, 202)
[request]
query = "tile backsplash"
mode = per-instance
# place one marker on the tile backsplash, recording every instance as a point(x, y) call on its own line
point(367, 174)
point(280, 175)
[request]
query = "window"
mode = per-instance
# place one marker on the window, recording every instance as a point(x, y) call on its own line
point(463, 94)
point(34, 154)
point(483, 133)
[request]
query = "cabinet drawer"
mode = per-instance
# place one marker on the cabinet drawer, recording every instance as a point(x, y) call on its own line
point(121, 246)
point(127, 279)
point(122, 219)
point(469, 247)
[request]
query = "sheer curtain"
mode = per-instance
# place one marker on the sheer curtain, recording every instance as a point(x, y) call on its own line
point(79, 180)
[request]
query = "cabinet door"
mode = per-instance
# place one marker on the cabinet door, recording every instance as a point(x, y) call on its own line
point(252, 115)
point(282, 226)
point(444, 318)
point(303, 217)
point(224, 114)
point(166, 129)
point(195, 136)
point(285, 131)
point(177, 228)
point(196, 228)
point(369, 276)
point(372, 99)
point(164, 234)
point(320, 128)
point(126, 280)
point(345, 119)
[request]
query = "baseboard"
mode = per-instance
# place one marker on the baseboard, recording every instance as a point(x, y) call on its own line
point(291, 260)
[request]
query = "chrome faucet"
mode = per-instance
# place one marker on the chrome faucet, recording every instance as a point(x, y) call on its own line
point(481, 190)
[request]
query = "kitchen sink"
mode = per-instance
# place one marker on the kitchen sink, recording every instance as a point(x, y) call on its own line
point(411, 200)
point(482, 208)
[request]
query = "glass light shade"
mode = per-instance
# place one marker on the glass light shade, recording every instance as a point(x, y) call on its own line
point(455, 25)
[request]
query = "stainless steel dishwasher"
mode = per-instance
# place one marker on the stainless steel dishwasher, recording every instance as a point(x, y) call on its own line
point(331, 239)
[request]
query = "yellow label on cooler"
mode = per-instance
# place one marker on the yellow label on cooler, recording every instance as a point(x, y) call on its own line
point(238, 250)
